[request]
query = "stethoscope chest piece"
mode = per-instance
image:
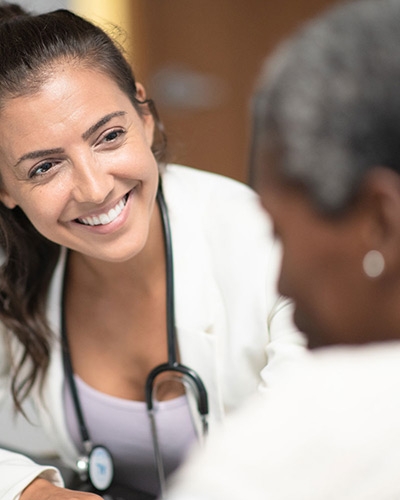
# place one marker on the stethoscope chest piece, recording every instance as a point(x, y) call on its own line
point(99, 467)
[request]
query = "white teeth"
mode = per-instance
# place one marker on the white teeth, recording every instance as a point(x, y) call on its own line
point(104, 219)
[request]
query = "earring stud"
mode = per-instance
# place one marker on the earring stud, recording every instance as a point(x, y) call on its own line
point(373, 264)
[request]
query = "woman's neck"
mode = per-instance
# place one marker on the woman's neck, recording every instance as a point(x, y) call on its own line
point(140, 273)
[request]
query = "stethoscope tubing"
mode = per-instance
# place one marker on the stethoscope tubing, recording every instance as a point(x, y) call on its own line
point(172, 365)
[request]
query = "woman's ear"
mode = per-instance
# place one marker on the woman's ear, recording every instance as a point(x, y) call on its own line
point(146, 116)
point(7, 199)
point(140, 92)
point(380, 201)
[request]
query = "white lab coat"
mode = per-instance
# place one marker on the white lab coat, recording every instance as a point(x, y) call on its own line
point(225, 269)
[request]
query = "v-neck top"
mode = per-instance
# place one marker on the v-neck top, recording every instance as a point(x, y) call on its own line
point(123, 426)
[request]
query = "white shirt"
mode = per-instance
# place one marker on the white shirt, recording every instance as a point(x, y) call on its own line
point(328, 430)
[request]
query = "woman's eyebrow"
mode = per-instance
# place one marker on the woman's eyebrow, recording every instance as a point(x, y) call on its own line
point(33, 155)
point(91, 130)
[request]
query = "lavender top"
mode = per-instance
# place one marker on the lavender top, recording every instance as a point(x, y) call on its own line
point(123, 427)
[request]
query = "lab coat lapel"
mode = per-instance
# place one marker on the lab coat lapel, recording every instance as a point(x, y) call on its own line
point(197, 300)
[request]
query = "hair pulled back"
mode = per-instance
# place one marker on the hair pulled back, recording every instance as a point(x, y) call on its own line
point(31, 46)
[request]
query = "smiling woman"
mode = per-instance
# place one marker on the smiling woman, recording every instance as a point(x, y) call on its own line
point(102, 161)
point(118, 265)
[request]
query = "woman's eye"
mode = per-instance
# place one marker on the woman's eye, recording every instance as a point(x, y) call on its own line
point(112, 136)
point(41, 169)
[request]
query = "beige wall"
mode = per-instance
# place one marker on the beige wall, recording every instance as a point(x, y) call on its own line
point(108, 14)
point(199, 59)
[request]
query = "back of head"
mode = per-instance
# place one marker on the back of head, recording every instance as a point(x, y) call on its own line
point(329, 101)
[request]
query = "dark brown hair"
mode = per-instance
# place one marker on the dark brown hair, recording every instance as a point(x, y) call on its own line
point(30, 47)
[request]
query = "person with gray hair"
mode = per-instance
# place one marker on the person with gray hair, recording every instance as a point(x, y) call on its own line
point(326, 162)
point(331, 94)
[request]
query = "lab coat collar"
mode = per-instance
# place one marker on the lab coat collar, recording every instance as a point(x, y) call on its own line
point(197, 300)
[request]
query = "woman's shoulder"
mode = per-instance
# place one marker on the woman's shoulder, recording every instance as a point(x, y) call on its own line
point(209, 194)
point(204, 183)
point(225, 209)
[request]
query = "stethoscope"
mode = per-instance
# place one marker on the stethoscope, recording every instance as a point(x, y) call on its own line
point(96, 465)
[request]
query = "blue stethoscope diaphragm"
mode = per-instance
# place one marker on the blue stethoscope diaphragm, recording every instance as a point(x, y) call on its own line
point(100, 468)
point(97, 466)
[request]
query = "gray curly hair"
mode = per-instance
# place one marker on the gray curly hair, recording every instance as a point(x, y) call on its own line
point(329, 101)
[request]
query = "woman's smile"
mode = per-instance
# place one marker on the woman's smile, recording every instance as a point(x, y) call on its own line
point(104, 218)
point(109, 221)
point(86, 180)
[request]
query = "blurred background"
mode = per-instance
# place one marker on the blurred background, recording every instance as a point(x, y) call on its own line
point(198, 60)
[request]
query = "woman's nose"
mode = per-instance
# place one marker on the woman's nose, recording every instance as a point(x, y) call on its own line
point(92, 183)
